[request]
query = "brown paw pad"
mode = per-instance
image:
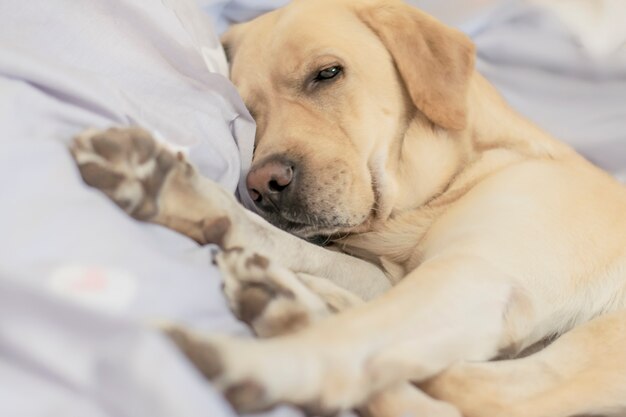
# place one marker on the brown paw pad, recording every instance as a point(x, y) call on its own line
point(115, 144)
point(107, 144)
point(202, 354)
point(215, 231)
point(143, 145)
point(246, 397)
point(253, 299)
point(152, 186)
point(99, 177)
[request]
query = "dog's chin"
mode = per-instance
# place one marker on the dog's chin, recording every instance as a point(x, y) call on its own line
point(314, 228)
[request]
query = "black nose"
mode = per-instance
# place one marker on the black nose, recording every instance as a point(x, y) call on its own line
point(270, 182)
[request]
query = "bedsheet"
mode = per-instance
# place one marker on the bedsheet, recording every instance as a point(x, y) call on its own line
point(79, 279)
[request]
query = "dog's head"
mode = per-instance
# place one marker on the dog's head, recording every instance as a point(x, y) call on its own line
point(333, 86)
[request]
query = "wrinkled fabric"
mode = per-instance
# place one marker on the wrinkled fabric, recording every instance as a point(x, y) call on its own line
point(79, 279)
point(82, 363)
point(537, 63)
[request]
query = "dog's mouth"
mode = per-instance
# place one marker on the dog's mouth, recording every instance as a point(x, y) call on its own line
point(314, 228)
point(322, 226)
point(306, 226)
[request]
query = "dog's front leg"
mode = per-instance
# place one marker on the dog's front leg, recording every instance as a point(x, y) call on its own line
point(447, 310)
point(363, 279)
point(275, 301)
point(153, 184)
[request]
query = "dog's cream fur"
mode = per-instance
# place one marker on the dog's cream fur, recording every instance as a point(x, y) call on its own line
point(495, 236)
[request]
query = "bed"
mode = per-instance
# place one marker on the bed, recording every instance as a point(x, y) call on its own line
point(80, 281)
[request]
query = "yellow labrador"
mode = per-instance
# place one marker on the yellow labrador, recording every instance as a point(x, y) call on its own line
point(484, 235)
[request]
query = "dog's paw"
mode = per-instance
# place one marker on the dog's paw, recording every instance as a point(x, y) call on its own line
point(212, 357)
point(252, 375)
point(269, 298)
point(151, 183)
point(128, 166)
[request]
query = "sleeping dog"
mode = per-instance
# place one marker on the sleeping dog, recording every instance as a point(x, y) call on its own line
point(459, 231)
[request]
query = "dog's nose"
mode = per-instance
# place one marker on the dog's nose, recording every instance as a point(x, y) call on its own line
point(269, 181)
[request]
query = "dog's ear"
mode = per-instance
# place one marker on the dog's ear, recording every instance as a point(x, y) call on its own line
point(230, 39)
point(435, 61)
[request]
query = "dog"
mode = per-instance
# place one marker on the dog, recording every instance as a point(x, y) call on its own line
point(459, 232)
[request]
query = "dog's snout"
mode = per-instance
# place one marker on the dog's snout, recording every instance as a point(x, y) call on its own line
point(270, 180)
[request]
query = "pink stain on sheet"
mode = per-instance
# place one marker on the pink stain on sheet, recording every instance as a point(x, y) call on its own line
point(91, 280)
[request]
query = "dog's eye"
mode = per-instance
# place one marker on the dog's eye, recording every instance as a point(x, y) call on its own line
point(329, 73)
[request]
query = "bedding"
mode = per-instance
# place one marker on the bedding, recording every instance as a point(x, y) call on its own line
point(79, 280)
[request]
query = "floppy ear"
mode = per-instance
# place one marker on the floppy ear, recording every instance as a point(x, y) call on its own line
point(435, 61)
point(228, 44)
point(230, 40)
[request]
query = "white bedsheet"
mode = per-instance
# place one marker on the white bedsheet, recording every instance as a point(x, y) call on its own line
point(78, 277)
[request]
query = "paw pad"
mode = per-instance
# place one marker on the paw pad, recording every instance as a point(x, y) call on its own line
point(127, 165)
point(201, 353)
point(215, 231)
point(245, 396)
point(253, 299)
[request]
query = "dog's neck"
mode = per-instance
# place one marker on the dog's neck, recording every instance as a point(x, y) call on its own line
point(429, 162)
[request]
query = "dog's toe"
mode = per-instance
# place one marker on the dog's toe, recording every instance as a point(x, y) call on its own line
point(204, 355)
point(247, 396)
point(127, 165)
point(252, 301)
point(269, 298)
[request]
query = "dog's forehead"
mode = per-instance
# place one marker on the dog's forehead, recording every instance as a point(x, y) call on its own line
point(291, 39)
